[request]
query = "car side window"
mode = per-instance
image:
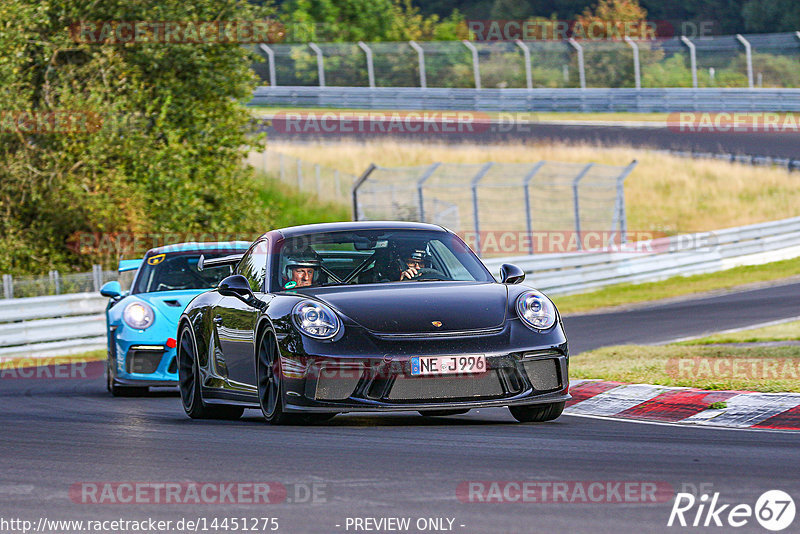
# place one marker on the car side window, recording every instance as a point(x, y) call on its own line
point(253, 265)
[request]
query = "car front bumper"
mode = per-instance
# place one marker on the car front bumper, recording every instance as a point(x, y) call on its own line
point(385, 386)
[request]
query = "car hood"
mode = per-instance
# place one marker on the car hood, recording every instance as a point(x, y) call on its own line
point(414, 307)
point(169, 304)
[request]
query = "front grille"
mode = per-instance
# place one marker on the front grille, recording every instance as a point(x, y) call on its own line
point(543, 374)
point(462, 387)
point(335, 387)
point(143, 361)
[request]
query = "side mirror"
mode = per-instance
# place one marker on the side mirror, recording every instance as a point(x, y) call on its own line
point(111, 289)
point(236, 286)
point(511, 274)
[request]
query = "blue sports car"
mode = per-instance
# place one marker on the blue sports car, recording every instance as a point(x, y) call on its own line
point(142, 323)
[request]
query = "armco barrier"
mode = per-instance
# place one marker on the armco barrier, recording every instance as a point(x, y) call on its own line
point(46, 326)
point(50, 326)
point(541, 100)
point(703, 252)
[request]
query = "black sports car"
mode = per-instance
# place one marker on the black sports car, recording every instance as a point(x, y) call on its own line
point(369, 316)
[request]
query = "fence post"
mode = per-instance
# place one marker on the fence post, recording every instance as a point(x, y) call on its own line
point(748, 52)
point(525, 183)
point(581, 65)
point(692, 58)
point(637, 73)
point(423, 79)
point(319, 183)
point(8, 286)
point(619, 212)
point(361, 180)
point(57, 279)
point(370, 70)
point(97, 277)
point(476, 69)
point(527, 53)
point(420, 183)
point(299, 175)
point(475, 218)
point(576, 205)
point(320, 65)
point(271, 62)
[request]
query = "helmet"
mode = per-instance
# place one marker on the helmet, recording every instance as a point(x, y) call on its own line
point(302, 258)
point(414, 253)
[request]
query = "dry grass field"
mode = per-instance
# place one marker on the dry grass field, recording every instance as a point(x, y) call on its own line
point(665, 193)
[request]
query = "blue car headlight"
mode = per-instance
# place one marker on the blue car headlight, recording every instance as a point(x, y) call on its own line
point(536, 310)
point(138, 315)
point(316, 320)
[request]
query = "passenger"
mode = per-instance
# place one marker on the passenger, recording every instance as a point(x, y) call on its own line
point(414, 260)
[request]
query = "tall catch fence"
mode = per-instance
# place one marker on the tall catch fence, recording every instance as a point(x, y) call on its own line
point(325, 183)
point(752, 60)
point(492, 201)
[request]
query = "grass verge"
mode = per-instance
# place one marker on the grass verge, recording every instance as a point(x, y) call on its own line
point(26, 361)
point(289, 207)
point(766, 369)
point(777, 332)
point(676, 286)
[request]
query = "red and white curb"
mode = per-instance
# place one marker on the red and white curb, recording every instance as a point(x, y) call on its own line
point(745, 409)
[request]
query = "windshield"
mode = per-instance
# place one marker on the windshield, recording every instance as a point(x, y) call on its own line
point(178, 270)
point(374, 257)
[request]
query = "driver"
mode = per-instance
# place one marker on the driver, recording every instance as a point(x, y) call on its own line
point(415, 261)
point(302, 269)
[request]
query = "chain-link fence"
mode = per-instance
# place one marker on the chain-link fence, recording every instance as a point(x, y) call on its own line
point(758, 60)
point(325, 183)
point(492, 201)
point(56, 283)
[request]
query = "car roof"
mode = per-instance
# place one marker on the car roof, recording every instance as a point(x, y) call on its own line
point(197, 247)
point(357, 225)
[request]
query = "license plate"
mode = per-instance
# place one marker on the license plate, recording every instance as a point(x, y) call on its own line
point(447, 365)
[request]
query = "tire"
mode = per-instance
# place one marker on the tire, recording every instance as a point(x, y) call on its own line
point(270, 383)
point(121, 391)
point(443, 413)
point(537, 413)
point(189, 383)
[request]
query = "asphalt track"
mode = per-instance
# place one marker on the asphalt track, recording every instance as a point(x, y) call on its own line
point(753, 143)
point(56, 433)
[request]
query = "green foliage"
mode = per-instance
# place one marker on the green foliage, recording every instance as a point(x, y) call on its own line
point(168, 155)
point(366, 20)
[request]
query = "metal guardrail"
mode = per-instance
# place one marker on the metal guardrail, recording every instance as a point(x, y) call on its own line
point(689, 254)
point(52, 325)
point(57, 325)
point(541, 100)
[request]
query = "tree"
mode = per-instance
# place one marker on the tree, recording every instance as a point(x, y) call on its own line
point(161, 151)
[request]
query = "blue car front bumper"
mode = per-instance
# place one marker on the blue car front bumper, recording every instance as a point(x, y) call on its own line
point(140, 360)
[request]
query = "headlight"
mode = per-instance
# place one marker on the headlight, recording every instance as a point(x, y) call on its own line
point(138, 315)
point(536, 310)
point(316, 320)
